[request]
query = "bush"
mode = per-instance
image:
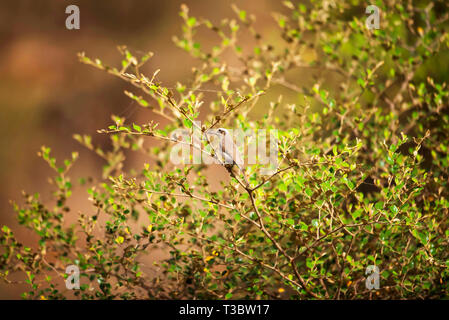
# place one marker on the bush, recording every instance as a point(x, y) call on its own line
point(363, 122)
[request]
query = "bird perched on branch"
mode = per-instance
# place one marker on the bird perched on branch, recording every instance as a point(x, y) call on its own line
point(228, 153)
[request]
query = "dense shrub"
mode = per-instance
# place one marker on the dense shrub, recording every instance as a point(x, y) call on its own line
point(363, 123)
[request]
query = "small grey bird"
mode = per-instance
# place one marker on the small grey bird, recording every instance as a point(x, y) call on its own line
point(228, 152)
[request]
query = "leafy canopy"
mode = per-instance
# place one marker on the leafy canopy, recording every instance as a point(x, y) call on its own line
point(363, 126)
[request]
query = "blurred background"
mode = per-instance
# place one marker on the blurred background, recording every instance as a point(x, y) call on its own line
point(46, 95)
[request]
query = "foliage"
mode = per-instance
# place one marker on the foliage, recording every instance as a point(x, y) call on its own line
point(362, 180)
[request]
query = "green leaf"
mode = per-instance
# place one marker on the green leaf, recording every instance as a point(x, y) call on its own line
point(357, 213)
point(119, 240)
point(394, 209)
point(137, 128)
point(242, 15)
point(309, 192)
point(191, 21)
point(188, 123)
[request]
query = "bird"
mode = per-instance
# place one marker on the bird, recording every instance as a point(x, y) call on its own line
point(227, 151)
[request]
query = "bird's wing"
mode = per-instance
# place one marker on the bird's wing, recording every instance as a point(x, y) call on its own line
point(238, 158)
point(230, 148)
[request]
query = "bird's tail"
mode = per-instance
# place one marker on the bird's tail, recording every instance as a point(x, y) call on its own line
point(243, 174)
